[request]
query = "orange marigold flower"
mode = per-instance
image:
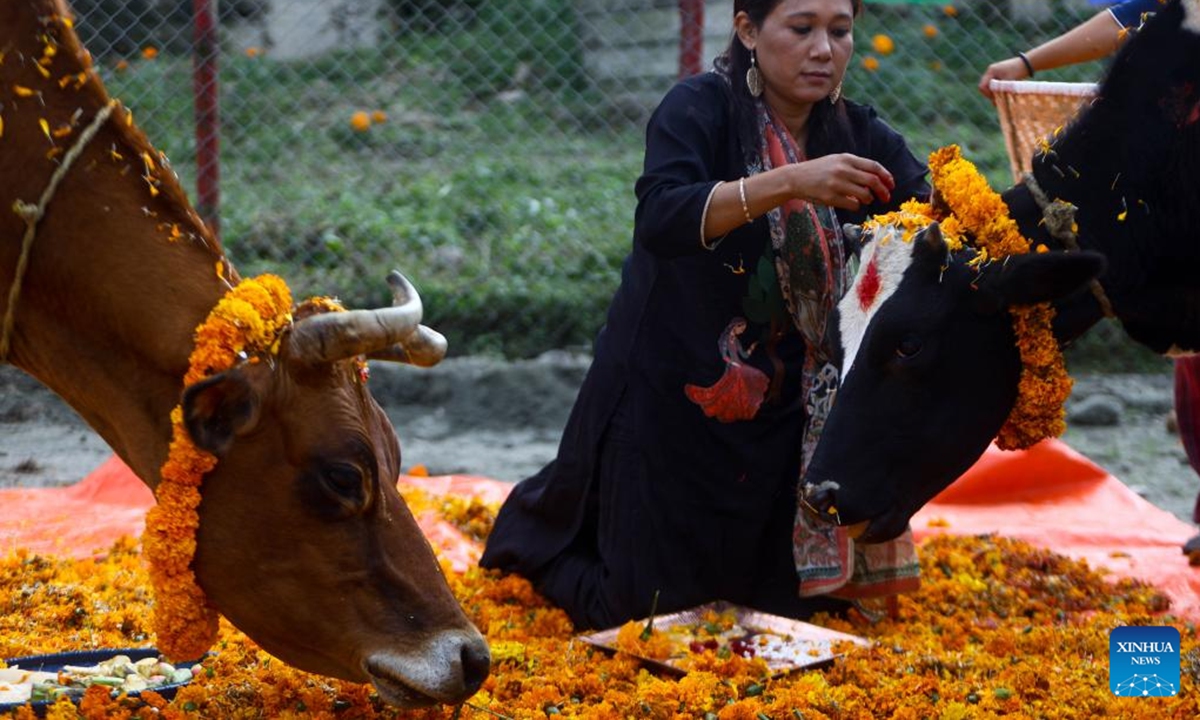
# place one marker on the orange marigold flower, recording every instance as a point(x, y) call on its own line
point(247, 320)
point(149, 52)
point(1044, 384)
point(883, 44)
point(871, 63)
point(930, 30)
point(379, 117)
point(360, 121)
point(1002, 621)
point(950, 11)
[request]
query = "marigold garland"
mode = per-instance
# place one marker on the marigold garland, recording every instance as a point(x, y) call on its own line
point(246, 322)
point(977, 213)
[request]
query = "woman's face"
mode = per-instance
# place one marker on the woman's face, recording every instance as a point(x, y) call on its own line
point(803, 48)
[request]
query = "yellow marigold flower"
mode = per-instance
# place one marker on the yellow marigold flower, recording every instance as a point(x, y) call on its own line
point(360, 121)
point(871, 63)
point(883, 44)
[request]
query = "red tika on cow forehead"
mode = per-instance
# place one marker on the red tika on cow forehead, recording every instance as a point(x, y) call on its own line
point(868, 285)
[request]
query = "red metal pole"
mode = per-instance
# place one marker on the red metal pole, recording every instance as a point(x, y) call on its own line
point(691, 37)
point(208, 121)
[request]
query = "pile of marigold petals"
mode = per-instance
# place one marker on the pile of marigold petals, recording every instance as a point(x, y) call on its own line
point(998, 628)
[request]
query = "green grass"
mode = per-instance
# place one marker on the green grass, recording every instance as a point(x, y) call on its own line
point(511, 216)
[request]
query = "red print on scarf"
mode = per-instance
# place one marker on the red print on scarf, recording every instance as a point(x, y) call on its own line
point(740, 391)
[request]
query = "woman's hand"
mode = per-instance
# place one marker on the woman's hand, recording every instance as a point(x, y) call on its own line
point(1010, 69)
point(842, 180)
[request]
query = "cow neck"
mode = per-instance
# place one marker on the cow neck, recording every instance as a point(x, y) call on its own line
point(118, 357)
point(31, 214)
point(1078, 313)
point(121, 270)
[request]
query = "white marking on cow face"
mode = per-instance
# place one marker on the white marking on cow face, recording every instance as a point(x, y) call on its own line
point(883, 265)
point(1191, 15)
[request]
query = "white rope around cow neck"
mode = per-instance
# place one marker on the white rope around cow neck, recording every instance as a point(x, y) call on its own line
point(32, 214)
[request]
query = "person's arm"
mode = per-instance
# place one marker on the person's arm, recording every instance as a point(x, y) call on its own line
point(685, 204)
point(1097, 37)
point(843, 181)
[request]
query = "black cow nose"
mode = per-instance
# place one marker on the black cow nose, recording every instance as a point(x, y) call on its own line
point(476, 662)
point(821, 502)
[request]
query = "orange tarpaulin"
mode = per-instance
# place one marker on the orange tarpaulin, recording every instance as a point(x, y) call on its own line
point(1054, 497)
point(1049, 495)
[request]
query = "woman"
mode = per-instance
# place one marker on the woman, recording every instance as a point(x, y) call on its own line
point(676, 477)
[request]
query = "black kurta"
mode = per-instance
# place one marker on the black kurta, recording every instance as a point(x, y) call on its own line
point(647, 493)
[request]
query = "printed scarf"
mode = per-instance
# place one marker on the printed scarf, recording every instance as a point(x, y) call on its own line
point(810, 263)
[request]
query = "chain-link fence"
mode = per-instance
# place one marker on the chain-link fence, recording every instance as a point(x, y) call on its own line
point(486, 148)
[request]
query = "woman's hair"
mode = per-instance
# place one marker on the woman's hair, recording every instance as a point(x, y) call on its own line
point(828, 130)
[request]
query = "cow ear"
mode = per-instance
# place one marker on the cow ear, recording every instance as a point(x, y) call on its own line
point(1041, 277)
point(222, 407)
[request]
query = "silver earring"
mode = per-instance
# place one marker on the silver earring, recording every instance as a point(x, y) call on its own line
point(754, 81)
point(835, 95)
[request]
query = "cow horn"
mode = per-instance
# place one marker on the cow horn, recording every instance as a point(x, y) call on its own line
point(393, 333)
point(934, 237)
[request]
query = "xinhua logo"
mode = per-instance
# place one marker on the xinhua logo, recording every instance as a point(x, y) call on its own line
point(1143, 661)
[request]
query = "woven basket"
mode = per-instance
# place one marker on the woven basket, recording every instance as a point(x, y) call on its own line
point(1031, 111)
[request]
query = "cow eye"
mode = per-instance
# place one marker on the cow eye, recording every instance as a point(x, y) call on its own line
point(344, 480)
point(908, 347)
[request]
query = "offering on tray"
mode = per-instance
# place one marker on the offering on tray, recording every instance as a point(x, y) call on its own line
point(678, 641)
point(120, 672)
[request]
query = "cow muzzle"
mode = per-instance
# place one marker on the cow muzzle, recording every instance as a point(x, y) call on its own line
point(448, 670)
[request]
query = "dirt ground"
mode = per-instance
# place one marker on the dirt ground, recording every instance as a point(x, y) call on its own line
point(503, 420)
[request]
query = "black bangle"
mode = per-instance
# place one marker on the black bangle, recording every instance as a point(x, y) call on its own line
point(1028, 65)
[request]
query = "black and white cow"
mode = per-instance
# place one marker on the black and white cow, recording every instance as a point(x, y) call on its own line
point(930, 365)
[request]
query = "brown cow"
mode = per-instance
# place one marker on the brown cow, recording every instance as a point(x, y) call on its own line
point(304, 542)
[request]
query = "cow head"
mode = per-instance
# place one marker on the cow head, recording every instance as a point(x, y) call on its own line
point(343, 583)
point(929, 372)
